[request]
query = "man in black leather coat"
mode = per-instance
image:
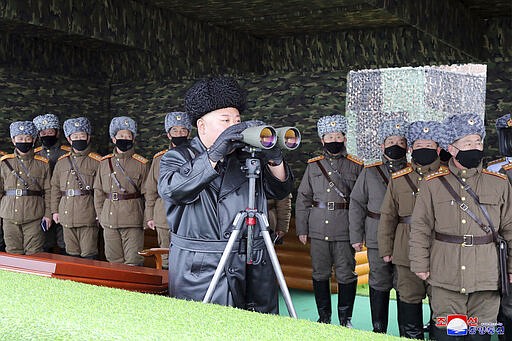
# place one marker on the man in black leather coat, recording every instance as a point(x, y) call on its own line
point(204, 188)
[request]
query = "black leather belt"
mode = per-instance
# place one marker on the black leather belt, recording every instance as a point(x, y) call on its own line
point(121, 196)
point(23, 193)
point(331, 205)
point(373, 215)
point(465, 240)
point(405, 220)
point(75, 192)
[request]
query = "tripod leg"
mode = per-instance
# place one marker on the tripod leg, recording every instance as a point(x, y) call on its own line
point(223, 259)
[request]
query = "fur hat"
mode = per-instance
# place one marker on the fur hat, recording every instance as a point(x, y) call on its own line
point(23, 128)
point(75, 125)
point(46, 121)
point(331, 124)
point(211, 94)
point(423, 130)
point(177, 118)
point(122, 123)
point(458, 126)
point(396, 127)
point(504, 121)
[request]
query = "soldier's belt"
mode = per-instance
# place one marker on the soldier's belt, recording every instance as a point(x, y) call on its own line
point(23, 193)
point(114, 196)
point(331, 205)
point(405, 220)
point(75, 192)
point(373, 215)
point(465, 240)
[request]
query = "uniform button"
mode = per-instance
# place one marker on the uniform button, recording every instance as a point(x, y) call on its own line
point(328, 189)
point(463, 267)
point(231, 270)
point(21, 172)
point(419, 169)
point(464, 172)
point(115, 173)
point(227, 235)
point(461, 187)
point(419, 179)
point(112, 186)
point(110, 226)
point(463, 290)
point(326, 238)
point(110, 213)
point(65, 225)
point(15, 210)
point(327, 221)
point(463, 221)
point(65, 212)
point(463, 198)
point(17, 198)
point(186, 171)
point(67, 183)
point(463, 179)
point(330, 173)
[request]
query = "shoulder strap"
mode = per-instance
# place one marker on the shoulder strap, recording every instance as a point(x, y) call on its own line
point(382, 175)
point(78, 175)
point(113, 175)
point(411, 184)
point(331, 183)
point(23, 181)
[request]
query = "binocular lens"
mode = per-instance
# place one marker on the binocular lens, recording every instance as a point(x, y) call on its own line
point(268, 138)
point(292, 138)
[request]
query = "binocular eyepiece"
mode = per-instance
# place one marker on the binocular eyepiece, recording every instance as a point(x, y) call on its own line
point(266, 137)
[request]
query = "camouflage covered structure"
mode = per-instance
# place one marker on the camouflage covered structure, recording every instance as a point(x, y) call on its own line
point(106, 58)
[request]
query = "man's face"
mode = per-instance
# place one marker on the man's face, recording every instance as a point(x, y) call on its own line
point(78, 136)
point(48, 132)
point(467, 142)
point(123, 135)
point(333, 137)
point(23, 138)
point(394, 141)
point(211, 125)
point(178, 131)
point(419, 144)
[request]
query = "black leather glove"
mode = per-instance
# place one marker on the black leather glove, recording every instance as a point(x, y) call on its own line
point(229, 140)
point(273, 156)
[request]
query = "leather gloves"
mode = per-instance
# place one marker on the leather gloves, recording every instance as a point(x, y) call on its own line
point(229, 140)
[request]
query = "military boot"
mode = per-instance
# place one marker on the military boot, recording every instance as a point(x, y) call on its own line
point(399, 315)
point(412, 320)
point(346, 298)
point(441, 335)
point(322, 290)
point(379, 306)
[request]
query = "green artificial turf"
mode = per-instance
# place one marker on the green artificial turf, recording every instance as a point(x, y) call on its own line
point(39, 308)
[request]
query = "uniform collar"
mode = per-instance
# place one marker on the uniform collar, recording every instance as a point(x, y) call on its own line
point(423, 170)
point(86, 151)
point(343, 153)
point(394, 165)
point(125, 155)
point(28, 156)
point(464, 173)
point(54, 147)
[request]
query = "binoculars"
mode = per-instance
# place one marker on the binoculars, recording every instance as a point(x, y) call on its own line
point(266, 137)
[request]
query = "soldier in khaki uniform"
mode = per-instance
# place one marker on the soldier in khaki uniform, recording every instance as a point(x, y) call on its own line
point(364, 215)
point(395, 220)
point(451, 243)
point(25, 192)
point(322, 214)
point(72, 192)
point(178, 127)
point(48, 127)
point(117, 195)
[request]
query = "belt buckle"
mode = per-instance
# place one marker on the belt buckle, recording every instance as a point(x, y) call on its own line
point(115, 196)
point(463, 207)
point(70, 192)
point(18, 192)
point(465, 242)
point(330, 206)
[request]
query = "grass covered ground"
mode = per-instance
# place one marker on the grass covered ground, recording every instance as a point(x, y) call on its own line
point(39, 308)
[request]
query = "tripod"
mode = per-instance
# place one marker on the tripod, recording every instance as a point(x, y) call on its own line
point(249, 215)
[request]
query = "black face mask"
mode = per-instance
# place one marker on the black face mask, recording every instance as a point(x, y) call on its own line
point(444, 155)
point(334, 147)
point(179, 140)
point(424, 156)
point(124, 145)
point(24, 147)
point(470, 158)
point(79, 145)
point(395, 152)
point(49, 141)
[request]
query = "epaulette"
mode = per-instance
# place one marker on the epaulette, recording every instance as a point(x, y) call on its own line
point(442, 171)
point(493, 162)
point(2, 152)
point(378, 163)
point(107, 157)
point(315, 159)
point(41, 158)
point(507, 167)
point(7, 156)
point(355, 159)
point(95, 156)
point(38, 149)
point(499, 175)
point(401, 172)
point(160, 153)
point(64, 156)
point(140, 158)
point(66, 148)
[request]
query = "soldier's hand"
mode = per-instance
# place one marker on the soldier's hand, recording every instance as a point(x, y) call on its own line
point(151, 224)
point(303, 238)
point(229, 140)
point(387, 259)
point(358, 246)
point(423, 275)
point(48, 222)
point(56, 218)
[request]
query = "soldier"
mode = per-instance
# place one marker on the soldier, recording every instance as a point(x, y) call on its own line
point(48, 127)
point(72, 193)
point(452, 241)
point(364, 214)
point(117, 195)
point(322, 214)
point(395, 220)
point(25, 192)
point(504, 164)
point(178, 128)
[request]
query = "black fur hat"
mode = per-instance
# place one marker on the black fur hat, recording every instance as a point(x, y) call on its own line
point(210, 94)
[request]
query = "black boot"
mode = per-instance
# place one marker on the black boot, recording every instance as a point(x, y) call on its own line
point(322, 290)
point(399, 315)
point(441, 335)
point(346, 298)
point(379, 306)
point(507, 328)
point(478, 337)
point(412, 320)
